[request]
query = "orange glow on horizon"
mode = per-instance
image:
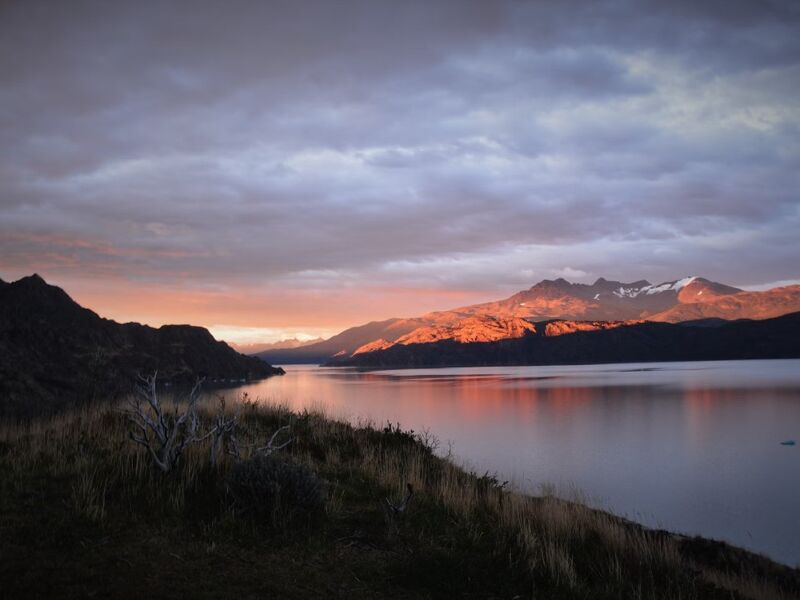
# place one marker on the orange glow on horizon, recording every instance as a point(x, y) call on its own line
point(312, 312)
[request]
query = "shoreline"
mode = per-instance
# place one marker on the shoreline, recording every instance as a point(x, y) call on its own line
point(93, 486)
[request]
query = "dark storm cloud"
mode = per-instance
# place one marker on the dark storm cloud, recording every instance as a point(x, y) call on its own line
point(322, 144)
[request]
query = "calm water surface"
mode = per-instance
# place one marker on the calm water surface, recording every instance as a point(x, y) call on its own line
point(691, 447)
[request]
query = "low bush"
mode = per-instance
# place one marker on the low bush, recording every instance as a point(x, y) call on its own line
point(275, 491)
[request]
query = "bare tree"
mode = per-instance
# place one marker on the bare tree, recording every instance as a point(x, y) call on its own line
point(165, 436)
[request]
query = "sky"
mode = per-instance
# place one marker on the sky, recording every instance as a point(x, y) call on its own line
point(289, 169)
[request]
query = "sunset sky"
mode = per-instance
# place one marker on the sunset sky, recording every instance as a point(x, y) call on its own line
point(281, 169)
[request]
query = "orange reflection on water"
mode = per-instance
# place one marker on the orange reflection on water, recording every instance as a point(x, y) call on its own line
point(700, 406)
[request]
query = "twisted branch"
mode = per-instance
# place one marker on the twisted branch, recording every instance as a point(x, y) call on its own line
point(164, 436)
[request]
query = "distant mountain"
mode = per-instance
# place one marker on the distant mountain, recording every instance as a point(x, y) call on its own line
point(565, 342)
point(281, 345)
point(55, 353)
point(602, 300)
point(673, 301)
point(344, 343)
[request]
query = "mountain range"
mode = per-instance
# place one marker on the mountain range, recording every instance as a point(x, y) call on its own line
point(570, 342)
point(55, 353)
point(575, 305)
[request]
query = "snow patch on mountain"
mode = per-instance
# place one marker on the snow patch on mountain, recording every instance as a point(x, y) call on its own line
point(623, 292)
point(674, 286)
point(670, 286)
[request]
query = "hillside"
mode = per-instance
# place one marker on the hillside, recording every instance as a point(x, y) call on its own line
point(484, 328)
point(55, 353)
point(742, 305)
point(685, 299)
point(83, 514)
point(564, 342)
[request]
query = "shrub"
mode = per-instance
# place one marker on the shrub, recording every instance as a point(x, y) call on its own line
point(275, 491)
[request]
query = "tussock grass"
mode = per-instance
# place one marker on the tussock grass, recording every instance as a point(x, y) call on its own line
point(76, 475)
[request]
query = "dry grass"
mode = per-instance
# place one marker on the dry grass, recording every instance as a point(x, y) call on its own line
point(560, 547)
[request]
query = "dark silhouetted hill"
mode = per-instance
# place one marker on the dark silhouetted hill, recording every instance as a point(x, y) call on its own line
point(55, 353)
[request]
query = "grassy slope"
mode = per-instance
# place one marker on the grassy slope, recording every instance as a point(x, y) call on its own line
point(82, 513)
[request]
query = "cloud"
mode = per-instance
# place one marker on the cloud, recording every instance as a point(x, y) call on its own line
point(407, 145)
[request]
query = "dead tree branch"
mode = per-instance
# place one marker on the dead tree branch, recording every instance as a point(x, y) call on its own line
point(401, 506)
point(271, 447)
point(164, 436)
point(223, 434)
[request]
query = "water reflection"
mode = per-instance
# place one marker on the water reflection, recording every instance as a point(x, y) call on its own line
point(693, 447)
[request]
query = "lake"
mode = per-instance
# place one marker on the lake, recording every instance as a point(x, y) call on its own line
point(692, 447)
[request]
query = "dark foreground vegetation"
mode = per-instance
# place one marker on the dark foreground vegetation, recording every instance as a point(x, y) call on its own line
point(85, 513)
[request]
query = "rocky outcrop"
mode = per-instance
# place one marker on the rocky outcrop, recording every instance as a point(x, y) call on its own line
point(555, 328)
point(480, 328)
point(471, 329)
